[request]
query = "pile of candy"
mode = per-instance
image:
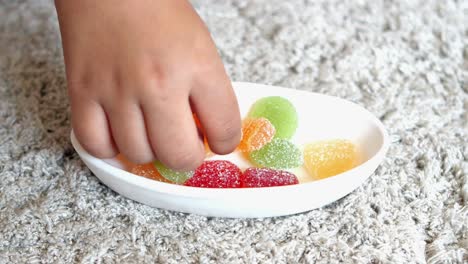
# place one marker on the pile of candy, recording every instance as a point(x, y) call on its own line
point(266, 143)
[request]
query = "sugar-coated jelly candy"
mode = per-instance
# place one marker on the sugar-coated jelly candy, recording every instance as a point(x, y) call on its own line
point(148, 171)
point(208, 152)
point(256, 133)
point(327, 158)
point(280, 112)
point(197, 121)
point(178, 177)
point(263, 177)
point(126, 164)
point(278, 154)
point(216, 174)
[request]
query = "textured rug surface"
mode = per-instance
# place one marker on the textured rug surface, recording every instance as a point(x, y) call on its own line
point(406, 61)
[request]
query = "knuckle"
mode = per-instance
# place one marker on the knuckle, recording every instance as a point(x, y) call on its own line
point(85, 87)
point(156, 89)
point(162, 94)
point(205, 71)
point(77, 87)
point(227, 137)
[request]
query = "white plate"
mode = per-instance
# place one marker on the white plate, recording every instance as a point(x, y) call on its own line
point(320, 117)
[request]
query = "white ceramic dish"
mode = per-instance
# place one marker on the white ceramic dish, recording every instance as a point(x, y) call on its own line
point(320, 117)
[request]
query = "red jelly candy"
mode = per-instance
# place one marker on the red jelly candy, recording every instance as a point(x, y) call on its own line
point(216, 174)
point(263, 177)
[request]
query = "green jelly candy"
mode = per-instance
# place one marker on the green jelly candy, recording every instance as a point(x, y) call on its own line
point(280, 112)
point(172, 175)
point(278, 154)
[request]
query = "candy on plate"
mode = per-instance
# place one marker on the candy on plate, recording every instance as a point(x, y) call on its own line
point(148, 171)
point(178, 177)
point(263, 177)
point(278, 154)
point(280, 112)
point(216, 174)
point(256, 133)
point(327, 158)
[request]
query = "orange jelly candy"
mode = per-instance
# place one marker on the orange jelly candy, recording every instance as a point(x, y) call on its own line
point(208, 151)
point(127, 165)
point(148, 171)
point(327, 158)
point(256, 133)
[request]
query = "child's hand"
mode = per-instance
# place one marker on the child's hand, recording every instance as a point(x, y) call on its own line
point(136, 70)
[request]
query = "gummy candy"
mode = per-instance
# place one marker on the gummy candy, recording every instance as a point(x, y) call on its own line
point(197, 121)
point(330, 157)
point(278, 154)
point(178, 177)
point(208, 152)
point(280, 112)
point(255, 134)
point(148, 171)
point(216, 174)
point(263, 177)
point(127, 165)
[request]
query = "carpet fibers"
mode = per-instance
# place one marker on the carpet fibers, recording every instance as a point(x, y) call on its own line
point(405, 61)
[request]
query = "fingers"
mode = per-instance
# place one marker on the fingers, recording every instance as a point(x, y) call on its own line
point(216, 106)
point(158, 122)
point(129, 131)
point(172, 131)
point(91, 127)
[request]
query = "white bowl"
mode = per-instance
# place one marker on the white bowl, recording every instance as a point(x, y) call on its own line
point(320, 117)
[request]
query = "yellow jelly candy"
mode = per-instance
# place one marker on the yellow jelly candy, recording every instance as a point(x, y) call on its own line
point(327, 158)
